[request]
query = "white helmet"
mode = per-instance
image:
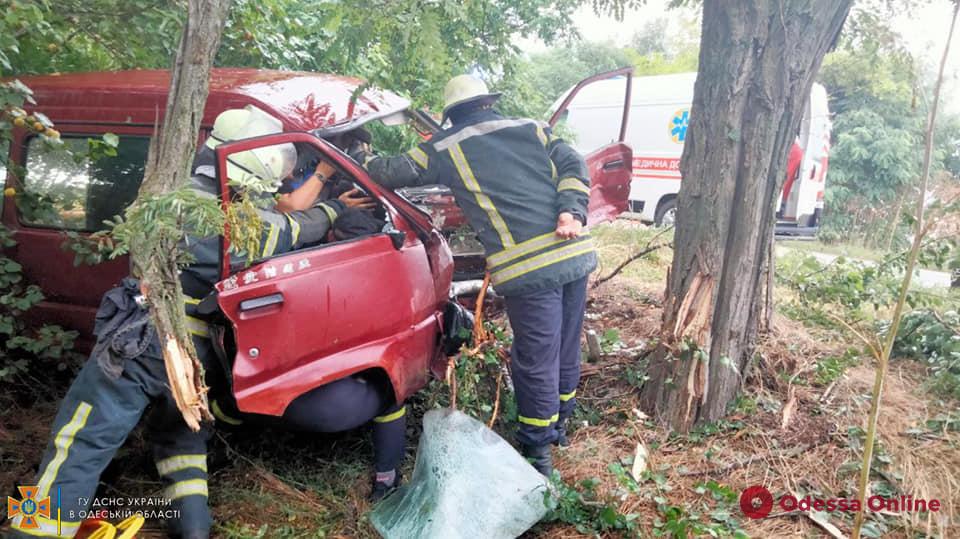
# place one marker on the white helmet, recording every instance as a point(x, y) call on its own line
point(464, 89)
point(261, 169)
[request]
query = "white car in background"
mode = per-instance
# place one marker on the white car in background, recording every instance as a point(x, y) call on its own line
point(659, 115)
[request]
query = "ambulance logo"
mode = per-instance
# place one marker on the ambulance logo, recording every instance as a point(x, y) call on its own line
point(28, 507)
point(678, 125)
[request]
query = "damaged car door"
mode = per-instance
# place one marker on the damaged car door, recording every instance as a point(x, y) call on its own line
point(308, 317)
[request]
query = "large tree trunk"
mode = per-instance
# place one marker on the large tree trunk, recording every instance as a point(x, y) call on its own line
point(168, 169)
point(758, 59)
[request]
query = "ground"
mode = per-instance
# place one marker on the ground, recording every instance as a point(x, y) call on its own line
point(797, 429)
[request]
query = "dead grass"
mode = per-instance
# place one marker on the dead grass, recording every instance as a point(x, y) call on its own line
point(926, 461)
point(814, 453)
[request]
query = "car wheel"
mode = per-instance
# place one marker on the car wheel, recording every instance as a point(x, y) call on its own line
point(667, 213)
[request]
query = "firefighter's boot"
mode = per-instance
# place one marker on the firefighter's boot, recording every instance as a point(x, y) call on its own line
point(562, 440)
point(383, 484)
point(539, 456)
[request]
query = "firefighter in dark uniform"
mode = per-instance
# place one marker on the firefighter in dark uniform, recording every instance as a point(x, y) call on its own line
point(525, 193)
point(126, 374)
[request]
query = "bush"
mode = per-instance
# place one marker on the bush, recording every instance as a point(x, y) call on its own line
point(861, 294)
point(933, 339)
point(24, 347)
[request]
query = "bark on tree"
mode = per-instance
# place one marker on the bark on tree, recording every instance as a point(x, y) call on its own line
point(168, 168)
point(758, 59)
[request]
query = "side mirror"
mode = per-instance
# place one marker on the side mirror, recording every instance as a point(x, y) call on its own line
point(398, 237)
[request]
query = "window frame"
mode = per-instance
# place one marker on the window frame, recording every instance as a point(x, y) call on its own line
point(77, 133)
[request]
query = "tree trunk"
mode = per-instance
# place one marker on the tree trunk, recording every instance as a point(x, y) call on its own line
point(757, 64)
point(168, 169)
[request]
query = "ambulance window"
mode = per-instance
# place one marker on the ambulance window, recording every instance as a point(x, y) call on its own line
point(64, 189)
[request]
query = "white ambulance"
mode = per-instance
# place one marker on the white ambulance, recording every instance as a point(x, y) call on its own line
point(659, 115)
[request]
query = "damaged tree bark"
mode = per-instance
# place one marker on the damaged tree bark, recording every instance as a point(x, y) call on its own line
point(757, 64)
point(168, 168)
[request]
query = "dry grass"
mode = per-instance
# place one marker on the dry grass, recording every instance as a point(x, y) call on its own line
point(812, 454)
point(926, 461)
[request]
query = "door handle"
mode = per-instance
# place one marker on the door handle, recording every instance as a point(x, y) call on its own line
point(613, 165)
point(261, 302)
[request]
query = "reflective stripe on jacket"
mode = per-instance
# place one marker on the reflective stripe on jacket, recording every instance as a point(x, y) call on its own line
point(512, 178)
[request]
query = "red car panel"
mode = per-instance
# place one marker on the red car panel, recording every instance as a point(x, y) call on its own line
point(303, 101)
point(341, 309)
point(610, 176)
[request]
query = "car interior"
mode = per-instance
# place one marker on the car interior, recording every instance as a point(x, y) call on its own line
point(372, 221)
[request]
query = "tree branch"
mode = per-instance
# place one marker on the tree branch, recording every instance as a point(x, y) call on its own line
point(648, 248)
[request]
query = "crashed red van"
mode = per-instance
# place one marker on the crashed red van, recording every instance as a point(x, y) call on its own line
point(300, 319)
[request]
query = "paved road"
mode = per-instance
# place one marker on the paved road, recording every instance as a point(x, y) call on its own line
point(926, 278)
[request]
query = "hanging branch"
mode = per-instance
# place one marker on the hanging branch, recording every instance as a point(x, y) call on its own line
point(921, 229)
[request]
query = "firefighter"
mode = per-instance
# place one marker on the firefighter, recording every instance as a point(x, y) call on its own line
point(525, 193)
point(126, 374)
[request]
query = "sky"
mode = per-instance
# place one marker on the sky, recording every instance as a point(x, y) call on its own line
point(924, 31)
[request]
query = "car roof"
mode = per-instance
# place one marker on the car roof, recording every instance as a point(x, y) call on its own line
point(303, 101)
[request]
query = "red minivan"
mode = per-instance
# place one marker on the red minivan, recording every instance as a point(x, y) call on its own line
point(299, 319)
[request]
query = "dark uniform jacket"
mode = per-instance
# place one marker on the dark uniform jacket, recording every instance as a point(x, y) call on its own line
point(512, 178)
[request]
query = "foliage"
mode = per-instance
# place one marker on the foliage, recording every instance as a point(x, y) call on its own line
point(870, 166)
point(610, 341)
point(592, 512)
point(476, 372)
point(22, 348)
point(531, 85)
point(585, 509)
point(847, 293)
point(934, 339)
point(877, 97)
point(77, 35)
point(164, 216)
point(831, 368)
point(409, 46)
point(849, 289)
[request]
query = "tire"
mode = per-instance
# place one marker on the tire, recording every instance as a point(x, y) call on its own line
point(666, 213)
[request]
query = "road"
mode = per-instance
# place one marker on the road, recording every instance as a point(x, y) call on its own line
point(925, 278)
